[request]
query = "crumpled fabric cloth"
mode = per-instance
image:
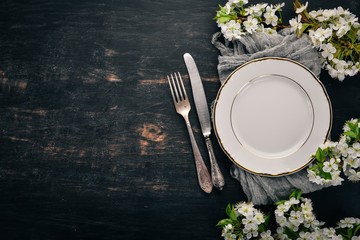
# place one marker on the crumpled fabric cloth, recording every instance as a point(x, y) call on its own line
point(263, 190)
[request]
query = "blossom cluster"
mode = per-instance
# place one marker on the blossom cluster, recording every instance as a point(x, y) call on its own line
point(294, 217)
point(236, 20)
point(334, 158)
point(245, 222)
point(327, 167)
point(335, 33)
point(296, 220)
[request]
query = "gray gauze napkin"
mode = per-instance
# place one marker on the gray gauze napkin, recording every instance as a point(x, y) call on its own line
point(259, 189)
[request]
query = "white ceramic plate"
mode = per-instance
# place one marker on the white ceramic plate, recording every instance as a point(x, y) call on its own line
point(270, 115)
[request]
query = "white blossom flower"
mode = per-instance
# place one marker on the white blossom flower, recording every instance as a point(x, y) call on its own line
point(278, 6)
point(322, 34)
point(352, 154)
point(348, 222)
point(259, 217)
point(328, 51)
point(228, 232)
point(342, 145)
point(326, 14)
point(269, 31)
point(280, 234)
point(356, 146)
point(249, 224)
point(324, 233)
point(252, 233)
point(339, 74)
point(315, 41)
point(228, 227)
point(306, 208)
point(330, 166)
point(345, 27)
point(353, 175)
point(295, 23)
point(281, 220)
point(256, 10)
point(245, 209)
point(239, 1)
point(337, 68)
point(279, 211)
point(251, 24)
point(250, 227)
point(270, 17)
point(229, 236)
point(266, 235)
point(313, 177)
point(328, 144)
point(296, 218)
point(302, 8)
point(228, 7)
point(336, 179)
point(231, 30)
point(314, 14)
point(304, 236)
point(292, 201)
point(330, 233)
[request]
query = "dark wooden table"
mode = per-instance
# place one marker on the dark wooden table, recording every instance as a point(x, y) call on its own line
point(91, 146)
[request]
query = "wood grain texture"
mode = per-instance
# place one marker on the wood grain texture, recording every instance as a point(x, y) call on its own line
point(91, 146)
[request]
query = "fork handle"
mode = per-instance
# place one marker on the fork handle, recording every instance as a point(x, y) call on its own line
point(202, 172)
point(217, 177)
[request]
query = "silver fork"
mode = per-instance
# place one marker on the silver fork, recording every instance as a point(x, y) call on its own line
point(182, 106)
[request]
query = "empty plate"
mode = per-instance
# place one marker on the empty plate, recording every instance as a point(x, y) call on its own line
point(270, 115)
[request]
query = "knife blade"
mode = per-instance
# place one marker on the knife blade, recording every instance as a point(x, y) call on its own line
point(202, 110)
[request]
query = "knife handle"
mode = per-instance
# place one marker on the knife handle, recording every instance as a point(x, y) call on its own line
point(202, 172)
point(217, 177)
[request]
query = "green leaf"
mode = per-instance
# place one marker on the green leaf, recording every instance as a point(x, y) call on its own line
point(351, 134)
point(267, 220)
point(231, 212)
point(224, 19)
point(300, 31)
point(356, 229)
point(352, 125)
point(295, 194)
point(325, 175)
point(224, 222)
point(280, 202)
point(290, 233)
point(316, 167)
point(233, 216)
point(340, 231)
point(228, 209)
point(320, 155)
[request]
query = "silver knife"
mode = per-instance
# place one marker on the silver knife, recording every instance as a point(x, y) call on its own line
point(204, 117)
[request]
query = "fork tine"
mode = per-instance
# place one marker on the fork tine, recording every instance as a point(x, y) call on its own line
point(176, 89)
point(179, 88)
point(171, 89)
point(182, 85)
